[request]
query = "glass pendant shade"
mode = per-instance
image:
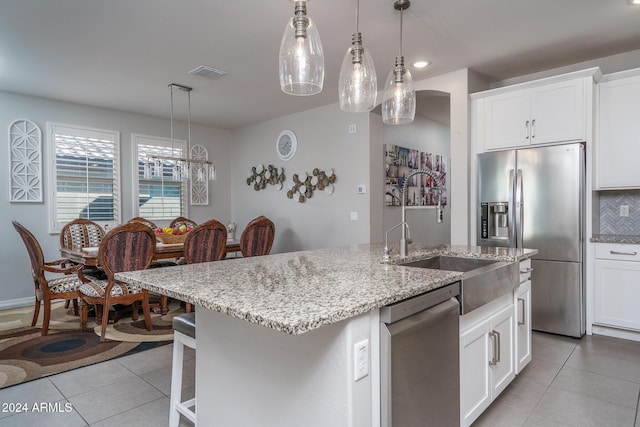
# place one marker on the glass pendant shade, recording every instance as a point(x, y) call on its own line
point(301, 57)
point(358, 84)
point(399, 99)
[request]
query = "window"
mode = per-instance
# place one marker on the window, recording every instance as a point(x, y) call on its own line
point(86, 172)
point(159, 197)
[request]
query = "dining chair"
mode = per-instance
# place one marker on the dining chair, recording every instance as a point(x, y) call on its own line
point(257, 237)
point(125, 248)
point(65, 287)
point(182, 220)
point(152, 225)
point(205, 243)
point(81, 233)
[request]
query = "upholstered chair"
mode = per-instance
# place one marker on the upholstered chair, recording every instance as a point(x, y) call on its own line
point(65, 286)
point(125, 248)
point(257, 237)
point(81, 233)
point(205, 243)
point(182, 220)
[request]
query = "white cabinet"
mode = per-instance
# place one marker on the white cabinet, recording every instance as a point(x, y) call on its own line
point(486, 356)
point(618, 131)
point(617, 286)
point(547, 114)
point(522, 301)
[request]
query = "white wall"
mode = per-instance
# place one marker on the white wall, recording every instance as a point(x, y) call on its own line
point(323, 142)
point(16, 282)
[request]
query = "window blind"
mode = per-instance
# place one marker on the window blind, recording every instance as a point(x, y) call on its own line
point(86, 175)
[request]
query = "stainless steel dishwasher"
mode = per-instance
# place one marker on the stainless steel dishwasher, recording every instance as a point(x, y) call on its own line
point(420, 361)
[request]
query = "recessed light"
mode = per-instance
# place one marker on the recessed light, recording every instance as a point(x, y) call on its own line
point(422, 64)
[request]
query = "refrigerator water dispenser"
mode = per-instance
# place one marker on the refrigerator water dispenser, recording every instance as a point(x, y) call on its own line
point(494, 222)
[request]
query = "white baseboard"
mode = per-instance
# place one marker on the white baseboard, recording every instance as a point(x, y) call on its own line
point(616, 333)
point(15, 303)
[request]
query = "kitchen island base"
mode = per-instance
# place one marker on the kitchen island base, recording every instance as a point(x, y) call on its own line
point(250, 375)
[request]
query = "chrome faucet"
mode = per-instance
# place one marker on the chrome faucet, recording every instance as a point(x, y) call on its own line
point(404, 243)
point(387, 250)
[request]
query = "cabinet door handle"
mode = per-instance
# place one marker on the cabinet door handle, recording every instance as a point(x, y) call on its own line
point(494, 340)
point(524, 314)
point(526, 270)
point(526, 129)
point(533, 128)
point(623, 253)
point(498, 351)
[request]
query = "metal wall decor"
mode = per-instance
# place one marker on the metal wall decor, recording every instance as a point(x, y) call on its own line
point(302, 186)
point(259, 177)
point(25, 161)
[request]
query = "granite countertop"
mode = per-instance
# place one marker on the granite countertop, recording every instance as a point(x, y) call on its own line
point(615, 238)
point(297, 292)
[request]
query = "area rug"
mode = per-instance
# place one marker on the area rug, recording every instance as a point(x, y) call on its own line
point(26, 355)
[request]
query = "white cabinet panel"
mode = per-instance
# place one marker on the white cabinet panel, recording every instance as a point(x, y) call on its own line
point(617, 293)
point(618, 133)
point(486, 358)
point(523, 324)
point(546, 114)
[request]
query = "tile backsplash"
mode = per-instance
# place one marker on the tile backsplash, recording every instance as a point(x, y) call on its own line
point(610, 220)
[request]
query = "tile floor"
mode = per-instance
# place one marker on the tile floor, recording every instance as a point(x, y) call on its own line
point(594, 381)
point(591, 382)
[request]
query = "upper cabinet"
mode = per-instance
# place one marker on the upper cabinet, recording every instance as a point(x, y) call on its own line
point(547, 111)
point(618, 131)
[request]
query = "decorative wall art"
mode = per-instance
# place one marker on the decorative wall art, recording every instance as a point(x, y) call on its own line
point(422, 190)
point(302, 186)
point(259, 177)
point(25, 161)
point(199, 182)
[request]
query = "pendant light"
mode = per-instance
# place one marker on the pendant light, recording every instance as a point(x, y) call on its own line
point(358, 84)
point(301, 57)
point(182, 167)
point(399, 99)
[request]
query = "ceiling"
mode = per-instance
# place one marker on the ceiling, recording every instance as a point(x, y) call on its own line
point(122, 54)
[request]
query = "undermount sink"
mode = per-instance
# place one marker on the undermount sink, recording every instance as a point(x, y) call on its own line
point(483, 280)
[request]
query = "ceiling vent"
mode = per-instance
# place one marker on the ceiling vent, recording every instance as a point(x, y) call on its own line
point(208, 72)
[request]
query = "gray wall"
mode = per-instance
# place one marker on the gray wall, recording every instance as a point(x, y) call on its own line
point(323, 142)
point(431, 137)
point(15, 281)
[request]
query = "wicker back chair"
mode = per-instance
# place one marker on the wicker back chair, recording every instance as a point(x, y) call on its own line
point(257, 237)
point(125, 248)
point(63, 287)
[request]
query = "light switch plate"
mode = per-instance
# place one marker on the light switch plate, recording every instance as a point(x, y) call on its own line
point(354, 216)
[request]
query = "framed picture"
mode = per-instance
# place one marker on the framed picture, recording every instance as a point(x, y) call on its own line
point(400, 163)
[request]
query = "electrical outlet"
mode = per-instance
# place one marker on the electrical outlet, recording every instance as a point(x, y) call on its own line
point(354, 216)
point(360, 360)
point(352, 128)
point(362, 189)
point(624, 210)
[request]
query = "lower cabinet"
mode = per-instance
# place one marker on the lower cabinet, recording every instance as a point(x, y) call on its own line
point(486, 356)
point(617, 286)
point(522, 301)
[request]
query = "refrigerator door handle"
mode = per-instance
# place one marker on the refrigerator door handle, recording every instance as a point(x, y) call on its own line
point(519, 211)
point(512, 210)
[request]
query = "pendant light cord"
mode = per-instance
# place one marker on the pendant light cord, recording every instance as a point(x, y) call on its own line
point(357, 16)
point(171, 97)
point(401, 14)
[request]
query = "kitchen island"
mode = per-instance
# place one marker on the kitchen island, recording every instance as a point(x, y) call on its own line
point(276, 334)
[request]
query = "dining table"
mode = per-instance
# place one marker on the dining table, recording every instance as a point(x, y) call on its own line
point(88, 256)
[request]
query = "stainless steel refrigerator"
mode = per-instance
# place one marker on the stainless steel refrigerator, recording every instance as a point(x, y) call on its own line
point(534, 198)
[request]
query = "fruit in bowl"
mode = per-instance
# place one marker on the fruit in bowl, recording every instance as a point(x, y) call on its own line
point(176, 231)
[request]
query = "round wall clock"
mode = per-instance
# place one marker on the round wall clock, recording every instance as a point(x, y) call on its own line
point(286, 144)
